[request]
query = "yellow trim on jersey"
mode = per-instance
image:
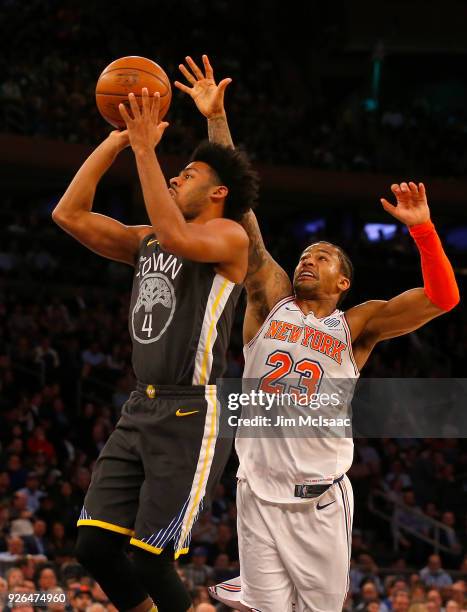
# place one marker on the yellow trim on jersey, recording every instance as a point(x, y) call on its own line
point(207, 350)
point(212, 434)
point(144, 546)
point(182, 551)
point(104, 525)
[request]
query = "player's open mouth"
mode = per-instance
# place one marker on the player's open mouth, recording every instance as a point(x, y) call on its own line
point(307, 275)
point(172, 192)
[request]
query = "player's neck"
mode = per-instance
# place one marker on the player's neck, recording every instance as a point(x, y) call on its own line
point(320, 308)
point(209, 213)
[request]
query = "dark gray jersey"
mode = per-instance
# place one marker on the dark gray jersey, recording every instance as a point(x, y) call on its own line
point(181, 316)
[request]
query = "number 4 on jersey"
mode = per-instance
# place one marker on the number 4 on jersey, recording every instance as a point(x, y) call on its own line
point(147, 324)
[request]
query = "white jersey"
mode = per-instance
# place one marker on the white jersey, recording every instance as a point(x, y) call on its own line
point(292, 349)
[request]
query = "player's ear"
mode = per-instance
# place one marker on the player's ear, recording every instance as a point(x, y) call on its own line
point(219, 192)
point(343, 283)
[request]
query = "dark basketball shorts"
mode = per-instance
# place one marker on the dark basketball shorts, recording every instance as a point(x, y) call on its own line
point(159, 467)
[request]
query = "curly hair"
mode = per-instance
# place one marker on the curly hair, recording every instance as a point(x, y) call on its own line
point(233, 169)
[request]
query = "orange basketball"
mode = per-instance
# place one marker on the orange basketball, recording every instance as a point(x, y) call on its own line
point(126, 75)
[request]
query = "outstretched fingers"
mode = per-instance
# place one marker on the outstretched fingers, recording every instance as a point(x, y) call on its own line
point(134, 106)
point(194, 68)
point(124, 113)
point(187, 74)
point(146, 102)
point(208, 68)
point(388, 207)
point(182, 87)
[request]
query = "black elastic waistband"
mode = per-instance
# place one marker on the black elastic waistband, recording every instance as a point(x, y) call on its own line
point(155, 391)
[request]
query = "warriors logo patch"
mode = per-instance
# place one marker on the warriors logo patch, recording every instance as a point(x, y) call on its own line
point(154, 308)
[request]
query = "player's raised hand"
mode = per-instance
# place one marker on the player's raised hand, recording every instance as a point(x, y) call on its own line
point(411, 207)
point(206, 93)
point(145, 131)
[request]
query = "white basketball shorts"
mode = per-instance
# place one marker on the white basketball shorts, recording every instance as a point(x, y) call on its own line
point(292, 556)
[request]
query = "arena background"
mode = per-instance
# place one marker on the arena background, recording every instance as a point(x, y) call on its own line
point(334, 103)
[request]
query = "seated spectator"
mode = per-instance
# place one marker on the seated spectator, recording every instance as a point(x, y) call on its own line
point(38, 443)
point(411, 517)
point(13, 553)
point(225, 543)
point(418, 594)
point(448, 537)
point(365, 570)
point(197, 572)
point(400, 601)
point(16, 472)
point(434, 600)
point(37, 544)
point(433, 575)
point(81, 598)
point(369, 594)
point(58, 603)
point(457, 592)
point(60, 547)
point(46, 578)
point(32, 492)
point(452, 606)
point(394, 585)
point(14, 577)
point(205, 529)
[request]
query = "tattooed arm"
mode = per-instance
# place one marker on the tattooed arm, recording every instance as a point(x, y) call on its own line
point(266, 282)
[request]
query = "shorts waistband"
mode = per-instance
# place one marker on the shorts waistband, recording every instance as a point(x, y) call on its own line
point(307, 491)
point(154, 391)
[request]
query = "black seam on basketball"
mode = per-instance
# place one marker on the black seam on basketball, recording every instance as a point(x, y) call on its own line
point(138, 70)
point(125, 95)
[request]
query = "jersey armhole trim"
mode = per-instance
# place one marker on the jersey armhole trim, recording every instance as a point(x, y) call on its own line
point(275, 308)
point(348, 335)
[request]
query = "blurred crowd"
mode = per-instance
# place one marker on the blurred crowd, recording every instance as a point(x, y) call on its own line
point(65, 350)
point(311, 120)
point(65, 371)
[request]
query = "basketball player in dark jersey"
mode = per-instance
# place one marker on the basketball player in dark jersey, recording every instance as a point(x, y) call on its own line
point(156, 471)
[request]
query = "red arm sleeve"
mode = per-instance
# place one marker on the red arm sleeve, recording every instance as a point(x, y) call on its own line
point(438, 276)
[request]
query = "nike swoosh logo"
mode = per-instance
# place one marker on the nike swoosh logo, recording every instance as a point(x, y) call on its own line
point(152, 242)
point(179, 413)
point(325, 505)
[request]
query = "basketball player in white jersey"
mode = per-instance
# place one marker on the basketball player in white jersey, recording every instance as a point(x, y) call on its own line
point(294, 501)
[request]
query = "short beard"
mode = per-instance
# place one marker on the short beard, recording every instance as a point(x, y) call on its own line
point(192, 211)
point(305, 293)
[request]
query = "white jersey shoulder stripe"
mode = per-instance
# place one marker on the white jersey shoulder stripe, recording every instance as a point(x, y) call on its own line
point(290, 298)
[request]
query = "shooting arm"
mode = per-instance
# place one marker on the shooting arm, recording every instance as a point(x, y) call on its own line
point(100, 233)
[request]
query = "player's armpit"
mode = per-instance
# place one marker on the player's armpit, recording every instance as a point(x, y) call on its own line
point(104, 235)
point(378, 320)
